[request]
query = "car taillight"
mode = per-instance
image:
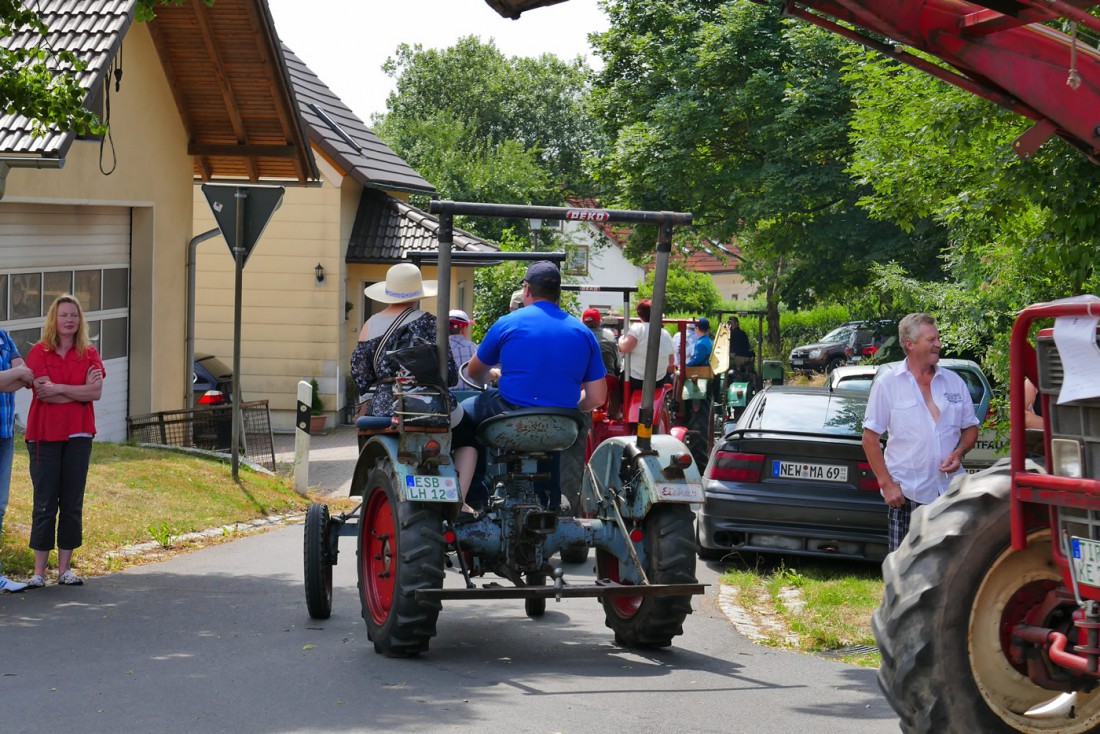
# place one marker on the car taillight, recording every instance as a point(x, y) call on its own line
point(728, 466)
point(869, 351)
point(867, 480)
point(212, 397)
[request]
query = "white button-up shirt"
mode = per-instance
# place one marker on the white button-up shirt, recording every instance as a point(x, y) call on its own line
point(917, 444)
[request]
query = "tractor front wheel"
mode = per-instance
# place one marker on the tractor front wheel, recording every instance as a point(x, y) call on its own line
point(669, 543)
point(954, 591)
point(400, 549)
point(318, 562)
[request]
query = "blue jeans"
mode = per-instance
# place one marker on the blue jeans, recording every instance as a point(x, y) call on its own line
point(7, 450)
point(487, 404)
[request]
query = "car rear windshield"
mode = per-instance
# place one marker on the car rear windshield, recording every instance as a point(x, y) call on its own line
point(215, 366)
point(830, 413)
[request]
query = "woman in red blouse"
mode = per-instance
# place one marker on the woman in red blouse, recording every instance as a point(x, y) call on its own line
point(68, 376)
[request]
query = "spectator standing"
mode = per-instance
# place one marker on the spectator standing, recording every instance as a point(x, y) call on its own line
point(68, 378)
point(636, 343)
point(704, 346)
point(931, 420)
point(14, 374)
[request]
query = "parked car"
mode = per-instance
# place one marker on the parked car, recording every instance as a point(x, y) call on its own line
point(990, 447)
point(852, 377)
point(865, 341)
point(824, 355)
point(791, 477)
point(210, 376)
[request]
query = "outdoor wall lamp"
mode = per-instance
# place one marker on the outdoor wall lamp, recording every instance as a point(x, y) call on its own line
point(320, 273)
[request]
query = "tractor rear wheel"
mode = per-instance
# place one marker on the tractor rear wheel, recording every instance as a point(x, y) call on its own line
point(954, 591)
point(400, 549)
point(669, 543)
point(318, 562)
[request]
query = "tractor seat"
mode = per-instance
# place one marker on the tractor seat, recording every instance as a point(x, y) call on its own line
point(532, 430)
point(635, 407)
point(374, 423)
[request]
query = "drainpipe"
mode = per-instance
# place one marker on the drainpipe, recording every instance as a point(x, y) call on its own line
point(8, 163)
point(189, 365)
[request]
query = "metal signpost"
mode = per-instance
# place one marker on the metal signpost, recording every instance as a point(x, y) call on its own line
point(242, 213)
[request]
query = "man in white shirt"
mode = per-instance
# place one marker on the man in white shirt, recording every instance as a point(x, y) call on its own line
point(931, 422)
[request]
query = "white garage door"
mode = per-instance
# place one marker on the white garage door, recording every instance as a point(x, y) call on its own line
point(47, 250)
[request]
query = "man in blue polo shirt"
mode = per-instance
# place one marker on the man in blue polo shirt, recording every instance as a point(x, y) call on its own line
point(547, 358)
point(14, 374)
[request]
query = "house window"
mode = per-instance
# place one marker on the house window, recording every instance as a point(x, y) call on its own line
point(3, 298)
point(116, 288)
point(25, 339)
point(576, 260)
point(112, 338)
point(56, 284)
point(26, 295)
point(87, 289)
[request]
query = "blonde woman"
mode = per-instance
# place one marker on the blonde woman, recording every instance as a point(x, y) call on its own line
point(68, 377)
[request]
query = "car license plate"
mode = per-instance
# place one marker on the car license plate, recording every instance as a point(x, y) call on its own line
point(1086, 561)
point(799, 470)
point(796, 361)
point(420, 488)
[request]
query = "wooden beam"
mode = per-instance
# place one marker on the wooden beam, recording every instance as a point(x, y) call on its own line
point(246, 151)
point(239, 132)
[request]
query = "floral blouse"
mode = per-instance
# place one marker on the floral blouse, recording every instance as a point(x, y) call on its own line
point(379, 385)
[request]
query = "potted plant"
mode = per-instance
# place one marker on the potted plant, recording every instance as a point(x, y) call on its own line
point(317, 417)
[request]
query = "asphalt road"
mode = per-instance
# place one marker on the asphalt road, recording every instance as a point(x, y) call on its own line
point(219, 641)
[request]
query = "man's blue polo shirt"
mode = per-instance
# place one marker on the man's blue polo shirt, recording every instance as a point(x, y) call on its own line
point(545, 355)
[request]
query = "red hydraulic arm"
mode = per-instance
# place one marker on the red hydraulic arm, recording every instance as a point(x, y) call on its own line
point(997, 49)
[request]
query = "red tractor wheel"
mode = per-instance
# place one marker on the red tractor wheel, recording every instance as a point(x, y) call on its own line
point(652, 621)
point(400, 549)
point(954, 591)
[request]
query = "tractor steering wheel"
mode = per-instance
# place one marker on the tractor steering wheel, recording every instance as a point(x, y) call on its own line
point(462, 376)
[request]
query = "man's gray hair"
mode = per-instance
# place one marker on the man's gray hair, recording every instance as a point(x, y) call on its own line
point(909, 327)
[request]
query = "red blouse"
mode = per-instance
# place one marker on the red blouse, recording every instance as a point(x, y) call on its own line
point(59, 421)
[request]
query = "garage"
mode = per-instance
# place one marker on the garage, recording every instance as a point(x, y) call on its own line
point(47, 250)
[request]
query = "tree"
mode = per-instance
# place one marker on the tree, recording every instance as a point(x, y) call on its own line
point(485, 127)
point(740, 117)
point(686, 291)
point(1020, 232)
point(40, 82)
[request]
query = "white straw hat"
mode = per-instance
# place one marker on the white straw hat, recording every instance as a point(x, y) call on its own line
point(403, 283)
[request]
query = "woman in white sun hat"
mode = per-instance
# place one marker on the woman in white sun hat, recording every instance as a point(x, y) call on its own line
point(372, 370)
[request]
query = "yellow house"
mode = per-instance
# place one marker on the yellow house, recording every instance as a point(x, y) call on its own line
point(302, 301)
point(200, 93)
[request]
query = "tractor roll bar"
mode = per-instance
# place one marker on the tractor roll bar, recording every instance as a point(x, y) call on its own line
point(664, 221)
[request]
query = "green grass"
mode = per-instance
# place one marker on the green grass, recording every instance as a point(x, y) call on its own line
point(136, 495)
point(825, 606)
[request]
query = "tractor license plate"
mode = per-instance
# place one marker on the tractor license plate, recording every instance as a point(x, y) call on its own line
point(430, 489)
point(800, 470)
point(679, 492)
point(1086, 561)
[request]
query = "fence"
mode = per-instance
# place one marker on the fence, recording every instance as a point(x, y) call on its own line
point(209, 428)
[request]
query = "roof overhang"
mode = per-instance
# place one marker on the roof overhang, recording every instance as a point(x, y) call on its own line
point(233, 92)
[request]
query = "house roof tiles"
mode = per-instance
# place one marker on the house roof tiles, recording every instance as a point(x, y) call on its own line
point(344, 139)
point(91, 30)
point(387, 229)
